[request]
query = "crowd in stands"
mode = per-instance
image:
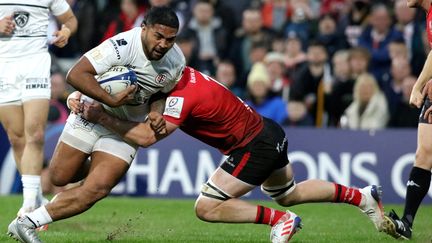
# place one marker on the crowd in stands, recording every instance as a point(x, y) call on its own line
point(318, 63)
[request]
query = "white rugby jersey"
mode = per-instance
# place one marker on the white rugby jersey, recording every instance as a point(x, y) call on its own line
point(126, 49)
point(31, 24)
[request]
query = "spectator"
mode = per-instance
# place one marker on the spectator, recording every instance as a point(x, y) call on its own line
point(280, 84)
point(275, 13)
point(312, 82)
point(405, 115)
point(226, 74)
point(131, 15)
point(341, 95)
point(187, 43)
point(398, 49)
point(376, 39)
point(334, 7)
point(369, 108)
point(259, 87)
point(298, 115)
point(359, 61)
point(209, 34)
point(252, 31)
point(329, 36)
point(299, 22)
point(353, 24)
point(412, 33)
point(58, 111)
point(295, 57)
point(400, 70)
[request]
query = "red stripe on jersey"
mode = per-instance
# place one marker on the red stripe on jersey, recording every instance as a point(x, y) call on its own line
point(242, 163)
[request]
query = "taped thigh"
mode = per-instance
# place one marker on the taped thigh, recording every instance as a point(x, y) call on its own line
point(209, 189)
point(278, 192)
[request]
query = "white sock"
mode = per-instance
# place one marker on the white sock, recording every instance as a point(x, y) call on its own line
point(31, 185)
point(40, 196)
point(40, 217)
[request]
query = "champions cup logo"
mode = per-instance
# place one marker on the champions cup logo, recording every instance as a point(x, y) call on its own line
point(173, 102)
point(21, 18)
point(161, 78)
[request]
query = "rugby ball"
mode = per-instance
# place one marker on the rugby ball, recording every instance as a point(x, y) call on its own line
point(117, 79)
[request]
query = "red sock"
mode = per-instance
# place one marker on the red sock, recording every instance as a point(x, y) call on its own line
point(345, 194)
point(267, 215)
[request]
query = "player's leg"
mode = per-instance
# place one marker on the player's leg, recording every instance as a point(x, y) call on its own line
point(66, 164)
point(35, 115)
point(11, 110)
point(420, 177)
point(36, 92)
point(418, 182)
point(246, 168)
point(12, 119)
point(105, 172)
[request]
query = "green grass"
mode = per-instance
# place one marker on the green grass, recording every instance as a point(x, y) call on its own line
point(162, 220)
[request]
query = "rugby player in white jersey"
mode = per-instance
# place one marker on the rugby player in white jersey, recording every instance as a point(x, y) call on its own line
point(25, 86)
point(150, 52)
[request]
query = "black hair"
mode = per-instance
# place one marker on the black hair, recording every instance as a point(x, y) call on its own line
point(161, 15)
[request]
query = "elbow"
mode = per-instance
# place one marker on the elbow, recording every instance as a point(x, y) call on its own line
point(71, 76)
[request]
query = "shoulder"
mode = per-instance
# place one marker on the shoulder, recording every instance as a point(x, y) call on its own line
point(175, 56)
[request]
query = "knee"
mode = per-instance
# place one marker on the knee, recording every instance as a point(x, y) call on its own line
point(36, 136)
point(203, 211)
point(57, 179)
point(424, 157)
point(57, 176)
point(17, 140)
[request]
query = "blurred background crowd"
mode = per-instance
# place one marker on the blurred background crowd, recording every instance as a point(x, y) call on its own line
point(318, 63)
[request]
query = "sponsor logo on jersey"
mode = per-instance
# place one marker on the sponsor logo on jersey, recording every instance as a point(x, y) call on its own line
point(121, 42)
point(161, 78)
point(116, 49)
point(37, 83)
point(21, 18)
point(174, 106)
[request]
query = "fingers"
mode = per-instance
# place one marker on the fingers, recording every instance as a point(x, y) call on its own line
point(75, 105)
point(428, 115)
point(61, 39)
point(157, 123)
point(7, 25)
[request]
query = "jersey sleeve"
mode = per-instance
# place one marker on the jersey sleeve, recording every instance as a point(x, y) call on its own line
point(106, 55)
point(178, 108)
point(59, 7)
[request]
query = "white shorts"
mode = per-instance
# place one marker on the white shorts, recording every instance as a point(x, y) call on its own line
point(88, 137)
point(25, 78)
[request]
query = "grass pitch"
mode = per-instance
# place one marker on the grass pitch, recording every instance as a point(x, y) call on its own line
point(120, 219)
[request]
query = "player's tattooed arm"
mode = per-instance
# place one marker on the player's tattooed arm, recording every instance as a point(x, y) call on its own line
point(140, 133)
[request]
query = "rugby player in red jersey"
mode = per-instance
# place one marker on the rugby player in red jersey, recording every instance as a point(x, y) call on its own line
point(257, 150)
point(420, 176)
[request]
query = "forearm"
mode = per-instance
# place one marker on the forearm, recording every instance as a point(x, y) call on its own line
point(132, 132)
point(81, 77)
point(157, 102)
point(426, 73)
point(69, 22)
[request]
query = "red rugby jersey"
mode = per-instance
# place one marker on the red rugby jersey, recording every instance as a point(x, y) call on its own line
point(206, 110)
point(429, 26)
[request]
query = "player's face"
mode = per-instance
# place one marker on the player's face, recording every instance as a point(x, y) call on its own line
point(157, 39)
